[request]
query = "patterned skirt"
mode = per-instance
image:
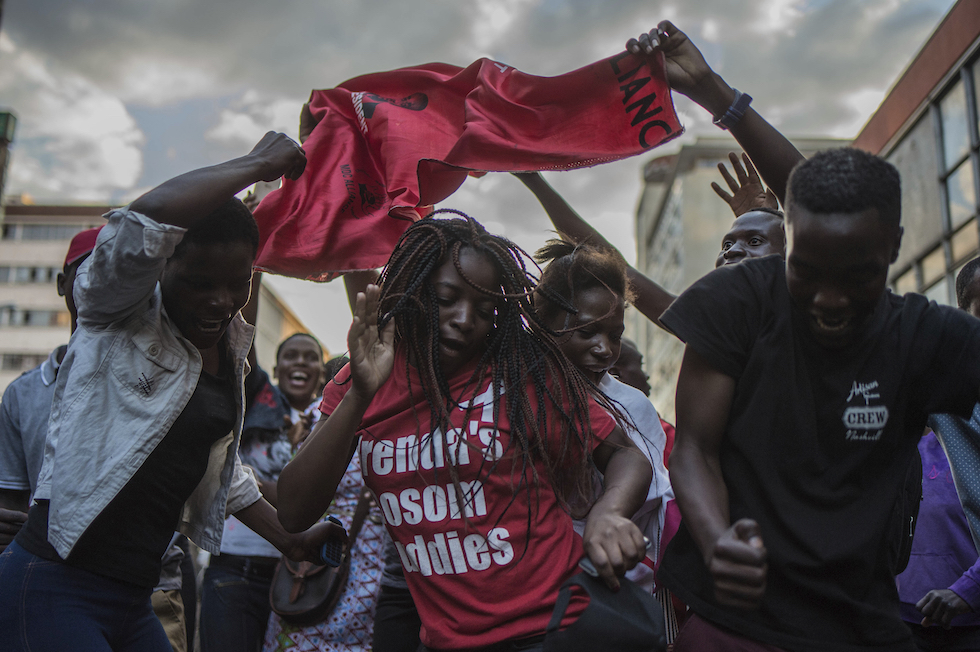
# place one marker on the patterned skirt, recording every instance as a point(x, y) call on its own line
point(350, 625)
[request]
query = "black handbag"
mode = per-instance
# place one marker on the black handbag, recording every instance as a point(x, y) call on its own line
point(629, 620)
point(304, 593)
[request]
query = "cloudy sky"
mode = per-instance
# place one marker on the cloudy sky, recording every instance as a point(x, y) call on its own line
point(115, 96)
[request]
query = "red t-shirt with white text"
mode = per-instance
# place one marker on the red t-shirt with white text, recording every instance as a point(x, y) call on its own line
point(473, 585)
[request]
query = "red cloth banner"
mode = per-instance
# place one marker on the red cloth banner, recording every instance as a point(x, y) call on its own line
point(389, 145)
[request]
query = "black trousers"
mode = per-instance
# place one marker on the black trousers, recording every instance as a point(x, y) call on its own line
point(396, 621)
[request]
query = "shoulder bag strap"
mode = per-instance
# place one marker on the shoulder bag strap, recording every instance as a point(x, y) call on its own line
point(360, 513)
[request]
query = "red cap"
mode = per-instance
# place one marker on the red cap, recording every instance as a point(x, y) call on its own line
point(82, 245)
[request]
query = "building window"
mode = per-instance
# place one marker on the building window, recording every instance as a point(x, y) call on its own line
point(49, 231)
point(29, 274)
point(956, 120)
point(20, 361)
point(961, 196)
point(955, 125)
point(19, 317)
point(42, 231)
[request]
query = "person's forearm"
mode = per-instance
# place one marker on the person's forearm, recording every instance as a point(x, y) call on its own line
point(260, 517)
point(773, 155)
point(561, 214)
point(701, 494)
point(626, 482)
point(184, 200)
point(308, 483)
point(651, 299)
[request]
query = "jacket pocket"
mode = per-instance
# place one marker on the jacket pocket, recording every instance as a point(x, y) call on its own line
point(144, 363)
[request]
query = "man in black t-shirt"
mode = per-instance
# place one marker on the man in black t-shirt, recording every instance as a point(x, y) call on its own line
point(804, 388)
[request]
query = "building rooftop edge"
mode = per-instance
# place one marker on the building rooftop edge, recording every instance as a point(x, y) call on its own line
point(955, 36)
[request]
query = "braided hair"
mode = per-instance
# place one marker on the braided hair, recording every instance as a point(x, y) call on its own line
point(547, 398)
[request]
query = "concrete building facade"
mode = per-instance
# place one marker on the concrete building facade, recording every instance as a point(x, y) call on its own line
point(927, 126)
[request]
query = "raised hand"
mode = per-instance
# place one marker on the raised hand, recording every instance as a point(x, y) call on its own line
point(748, 191)
point(281, 156)
point(737, 563)
point(372, 353)
point(687, 71)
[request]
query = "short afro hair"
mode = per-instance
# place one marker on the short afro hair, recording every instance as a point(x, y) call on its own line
point(765, 209)
point(294, 336)
point(846, 180)
point(963, 282)
point(230, 222)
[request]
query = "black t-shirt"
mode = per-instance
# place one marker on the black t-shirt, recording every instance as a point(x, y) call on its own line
point(128, 538)
point(816, 450)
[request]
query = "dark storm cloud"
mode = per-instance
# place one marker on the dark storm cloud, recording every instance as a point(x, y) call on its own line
point(289, 46)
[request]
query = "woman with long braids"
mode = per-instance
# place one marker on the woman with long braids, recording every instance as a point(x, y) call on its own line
point(477, 436)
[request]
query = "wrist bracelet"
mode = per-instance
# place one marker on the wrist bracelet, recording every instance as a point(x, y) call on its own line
point(735, 112)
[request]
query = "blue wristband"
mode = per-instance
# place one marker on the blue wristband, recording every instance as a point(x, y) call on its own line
point(735, 112)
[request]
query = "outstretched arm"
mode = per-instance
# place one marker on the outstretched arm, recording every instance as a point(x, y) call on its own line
point(309, 481)
point(733, 553)
point(260, 517)
point(689, 74)
point(612, 541)
point(184, 200)
point(651, 299)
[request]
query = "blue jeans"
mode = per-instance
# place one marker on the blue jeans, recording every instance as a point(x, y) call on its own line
point(50, 606)
point(234, 610)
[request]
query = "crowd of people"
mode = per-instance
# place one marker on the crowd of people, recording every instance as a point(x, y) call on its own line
point(489, 436)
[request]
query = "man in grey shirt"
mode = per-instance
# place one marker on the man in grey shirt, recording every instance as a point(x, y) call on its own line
point(25, 408)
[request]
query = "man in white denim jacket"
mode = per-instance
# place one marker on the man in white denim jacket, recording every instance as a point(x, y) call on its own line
point(124, 336)
point(147, 328)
